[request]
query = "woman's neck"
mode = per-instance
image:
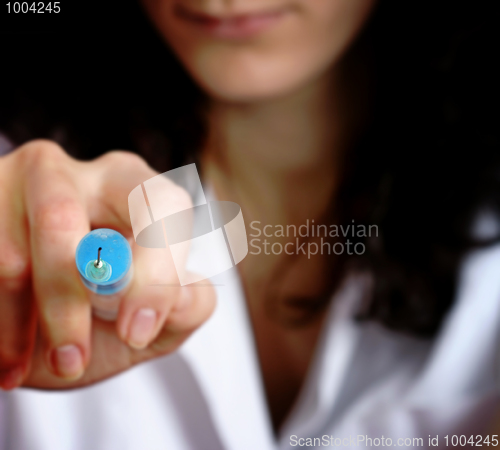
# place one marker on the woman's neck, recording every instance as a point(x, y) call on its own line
point(280, 156)
point(281, 161)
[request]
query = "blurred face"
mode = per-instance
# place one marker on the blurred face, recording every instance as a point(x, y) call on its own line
point(251, 50)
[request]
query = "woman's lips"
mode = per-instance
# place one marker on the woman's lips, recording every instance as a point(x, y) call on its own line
point(236, 26)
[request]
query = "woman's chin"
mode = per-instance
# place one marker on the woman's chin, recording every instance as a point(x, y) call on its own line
point(252, 75)
point(246, 89)
point(242, 94)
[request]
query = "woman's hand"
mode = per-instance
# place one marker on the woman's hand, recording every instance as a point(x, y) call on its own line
point(48, 338)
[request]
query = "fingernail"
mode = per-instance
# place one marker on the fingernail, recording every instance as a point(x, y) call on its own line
point(68, 361)
point(142, 328)
point(12, 379)
point(185, 299)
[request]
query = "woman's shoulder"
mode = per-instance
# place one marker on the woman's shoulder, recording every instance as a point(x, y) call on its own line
point(478, 280)
point(464, 357)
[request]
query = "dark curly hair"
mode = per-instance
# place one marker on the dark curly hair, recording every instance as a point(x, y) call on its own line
point(427, 162)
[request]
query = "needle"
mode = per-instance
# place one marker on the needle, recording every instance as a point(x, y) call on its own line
point(98, 263)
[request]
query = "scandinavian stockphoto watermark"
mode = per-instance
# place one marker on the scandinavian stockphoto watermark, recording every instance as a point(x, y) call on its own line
point(310, 239)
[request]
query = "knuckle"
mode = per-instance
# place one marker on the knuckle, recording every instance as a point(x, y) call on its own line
point(204, 315)
point(11, 356)
point(207, 304)
point(189, 321)
point(189, 327)
point(209, 310)
point(180, 199)
point(156, 275)
point(15, 346)
point(124, 159)
point(63, 214)
point(61, 316)
point(14, 267)
point(41, 151)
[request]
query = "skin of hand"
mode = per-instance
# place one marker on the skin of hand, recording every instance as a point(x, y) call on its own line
point(48, 337)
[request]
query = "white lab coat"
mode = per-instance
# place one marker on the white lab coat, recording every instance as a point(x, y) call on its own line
point(365, 381)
